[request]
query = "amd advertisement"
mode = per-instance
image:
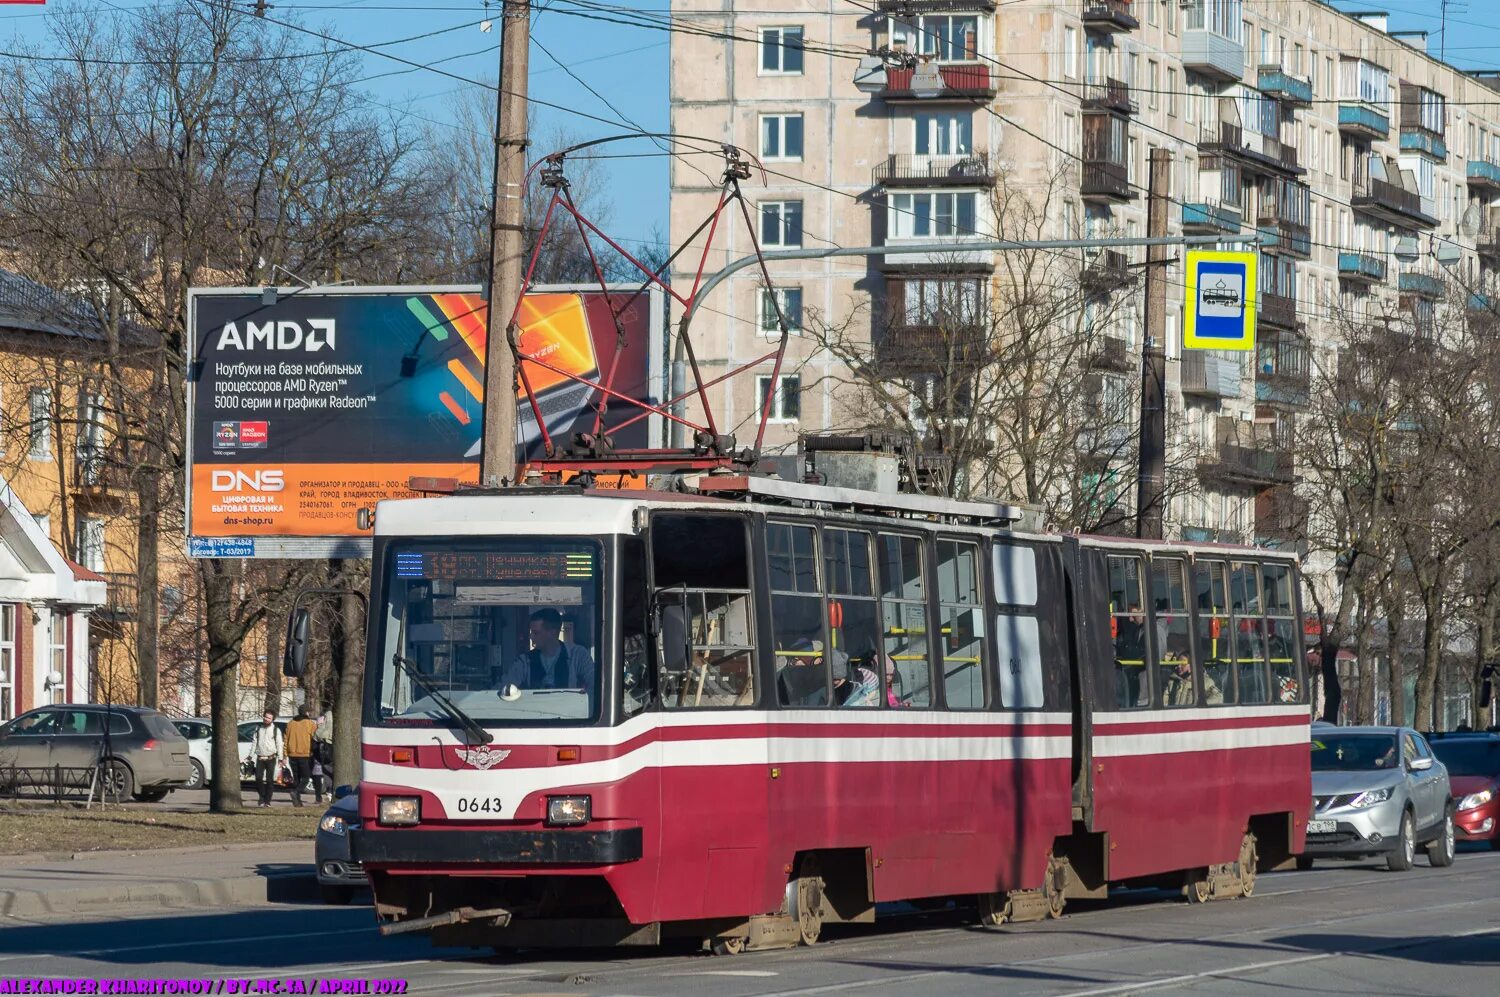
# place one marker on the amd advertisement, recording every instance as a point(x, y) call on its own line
point(305, 409)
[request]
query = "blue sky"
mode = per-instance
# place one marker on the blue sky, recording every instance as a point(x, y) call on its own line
point(627, 65)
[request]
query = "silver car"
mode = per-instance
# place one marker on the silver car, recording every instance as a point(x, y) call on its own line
point(1377, 791)
point(338, 874)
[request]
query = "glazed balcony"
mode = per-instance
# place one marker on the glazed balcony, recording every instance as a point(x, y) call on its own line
point(961, 81)
point(1206, 374)
point(1392, 203)
point(1106, 180)
point(1415, 138)
point(1107, 95)
point(1285, 237)
point(1210, 218)
point(1109, 16)
point(1361, 267)
point(1294, 91)
point(1363, 120)
point(1210, 53)
point(1484, 175)
point(918, 170)
point(1276, 310)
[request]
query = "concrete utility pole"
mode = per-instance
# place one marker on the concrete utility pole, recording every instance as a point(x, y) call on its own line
point(497, 461)
point(1150, 495)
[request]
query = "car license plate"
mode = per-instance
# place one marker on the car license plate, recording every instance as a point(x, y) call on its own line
point(1322, 826)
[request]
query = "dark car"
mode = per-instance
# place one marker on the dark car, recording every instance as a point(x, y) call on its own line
point(1473, 762)
point(338, 874)
point(142, 755)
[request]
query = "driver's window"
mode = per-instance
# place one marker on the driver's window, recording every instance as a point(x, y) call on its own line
point(705, 624)
point(38, 723)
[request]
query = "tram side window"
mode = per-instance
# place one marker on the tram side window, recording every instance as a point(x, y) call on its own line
point(1249, 632)
point(1211, 595)
point(802, 674)
point(903, 620)
point(1172, 648)
point(706, 645)
point(961, 615)
point(853, 619)
point(1282, 640)
point(635, 664)
point(1018, 641)
point(1127, 625)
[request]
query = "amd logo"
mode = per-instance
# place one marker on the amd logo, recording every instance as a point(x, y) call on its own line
point(285, 335)
point(248, 481)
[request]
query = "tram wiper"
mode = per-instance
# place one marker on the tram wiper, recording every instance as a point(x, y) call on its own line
point(447, 705)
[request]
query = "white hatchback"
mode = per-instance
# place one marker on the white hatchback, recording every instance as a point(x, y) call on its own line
point(200, 738)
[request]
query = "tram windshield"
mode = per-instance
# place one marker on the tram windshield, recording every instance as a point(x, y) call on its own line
point(503, 630)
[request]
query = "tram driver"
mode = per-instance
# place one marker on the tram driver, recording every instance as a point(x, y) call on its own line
point(551, 663)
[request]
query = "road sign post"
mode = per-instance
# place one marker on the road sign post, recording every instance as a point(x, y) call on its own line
point(1221, 295)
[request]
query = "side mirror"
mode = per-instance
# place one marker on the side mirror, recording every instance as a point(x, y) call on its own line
point(294, 659)
point(1420, 764)
point(343, 791)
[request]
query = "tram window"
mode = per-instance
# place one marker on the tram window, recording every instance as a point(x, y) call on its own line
point(903, 609)
point(1249, 632)
point(635, 666)
point(961, 614)
point(802, 673)
point(706, 640)
point(1211, 596)
point(1018, 645)
point(853, 620)
point(1282, 641)
point(1172, 648)
point(1127, 625)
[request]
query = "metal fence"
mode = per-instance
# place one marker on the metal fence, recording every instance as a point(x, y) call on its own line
point(56, 783)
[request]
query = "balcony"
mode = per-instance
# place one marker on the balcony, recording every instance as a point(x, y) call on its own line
point(100, 477)
point(934, 6)
point(1275, 310)
point(1424, 285)
point(1487, 245)
point(1195, 534)
point(1243, 466)
point(1209, 218)
point(1484, 175)
point(1391, 203)
point(1415, 138)
point(913, 346)
point(1294, 91)
point(1109, 16)
point(1285, 386)
point(917, 170)
point(121, 599)
point(1260, 153)
point(1108, 95)
point(1361, 267)
point(1362, 120)
point(1108, 271)
point(1285, 237)
point(1212, 54)
point(1106, 180)
point(961, 81)
point(1280, 516)
point(1110, 353)
point(1206, 374)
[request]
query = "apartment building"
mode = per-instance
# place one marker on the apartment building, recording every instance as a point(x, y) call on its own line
point(1334, 139)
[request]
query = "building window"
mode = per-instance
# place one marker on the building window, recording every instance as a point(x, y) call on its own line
point(781, 51)
point(790, 300)
point(945, 37)
point(781, 224)
point(1070, 52)
point(933, 214)
point(57, 657)
point(936, 302)
point(786, 400)
point(1153, 80)
point(40, 418)
point(90, 544)
point(943, 133)
point(1171, 91)
point(781, 136)
point(7, 661)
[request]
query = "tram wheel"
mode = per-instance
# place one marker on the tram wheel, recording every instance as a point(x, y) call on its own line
point(994, 909)
point(727, 946)
point(1198, 891)
point(809, 903)
point(1245, 866)
point(1054, 888)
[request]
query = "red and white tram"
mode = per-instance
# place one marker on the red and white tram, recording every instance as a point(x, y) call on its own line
point(739, 713)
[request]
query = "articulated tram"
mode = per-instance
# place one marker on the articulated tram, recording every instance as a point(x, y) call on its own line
point(744, 711)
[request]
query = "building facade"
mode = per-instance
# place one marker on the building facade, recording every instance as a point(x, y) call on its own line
point(1336, 141)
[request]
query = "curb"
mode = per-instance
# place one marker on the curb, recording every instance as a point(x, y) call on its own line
point(238, 846)
point(172, 893)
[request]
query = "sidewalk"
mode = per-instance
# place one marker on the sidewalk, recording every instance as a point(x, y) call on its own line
point(207, 876)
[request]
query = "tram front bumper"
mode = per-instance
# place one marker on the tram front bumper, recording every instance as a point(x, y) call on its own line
point(428, 846)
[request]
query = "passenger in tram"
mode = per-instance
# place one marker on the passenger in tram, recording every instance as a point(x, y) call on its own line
point(892, 680)
point(551, 663)
point(1130, 656)
point(853, 685)
point(801, 678)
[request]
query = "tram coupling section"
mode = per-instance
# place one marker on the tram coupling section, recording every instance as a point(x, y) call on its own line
point(498, 917)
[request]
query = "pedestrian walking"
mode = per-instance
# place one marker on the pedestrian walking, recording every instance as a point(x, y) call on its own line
point(267, 748)
point(299, 751)
point(323, 752)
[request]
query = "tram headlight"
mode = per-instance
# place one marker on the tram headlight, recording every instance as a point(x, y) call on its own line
point(399, 810)
point(567, 811)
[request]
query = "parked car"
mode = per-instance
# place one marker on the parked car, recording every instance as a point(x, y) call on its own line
point(1473, 763)
point(143, 756)
point(1378, 791)
point(200, 738)
point(339, 876)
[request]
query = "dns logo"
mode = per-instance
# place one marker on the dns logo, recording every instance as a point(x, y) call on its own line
point(248, 481)
point(287, 335)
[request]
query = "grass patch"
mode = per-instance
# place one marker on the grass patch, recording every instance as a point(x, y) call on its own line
point(67, 828)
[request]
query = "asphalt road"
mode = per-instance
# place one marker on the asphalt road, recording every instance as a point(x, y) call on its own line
point(1335, 929)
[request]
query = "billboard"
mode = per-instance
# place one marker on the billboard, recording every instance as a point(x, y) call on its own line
point(307, 404)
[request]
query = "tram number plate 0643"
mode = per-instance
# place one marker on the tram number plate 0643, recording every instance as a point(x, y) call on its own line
point(1322, 826)
point(479, 804)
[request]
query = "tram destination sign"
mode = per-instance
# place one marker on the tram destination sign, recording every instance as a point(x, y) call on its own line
point(306, 405)
point(1221, 298)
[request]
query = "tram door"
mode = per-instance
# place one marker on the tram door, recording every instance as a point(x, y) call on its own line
point(704, 608)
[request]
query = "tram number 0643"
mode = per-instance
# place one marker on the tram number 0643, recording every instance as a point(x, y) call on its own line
point(479, 805)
